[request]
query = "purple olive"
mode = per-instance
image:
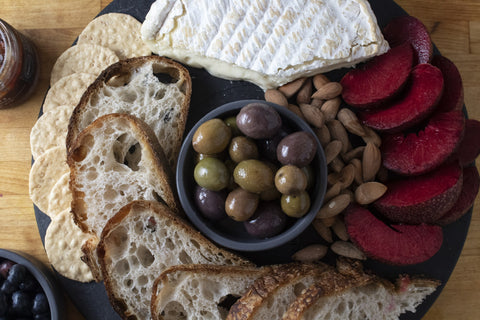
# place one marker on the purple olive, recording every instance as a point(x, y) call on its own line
point(267, 221)
point(298, 149)
point(258, 121)
point(211, 203)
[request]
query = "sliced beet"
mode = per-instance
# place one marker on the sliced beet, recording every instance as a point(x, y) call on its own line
point(419, 152)
point(469, 148)
point(410, 29)
point(396, 244)
point(471, 183)
point(424, 90)
point(378, 80)
point(422, 199)
point(452, 98)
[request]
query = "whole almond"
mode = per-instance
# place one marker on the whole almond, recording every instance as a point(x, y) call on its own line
point(330, 108)
point(323, 135)
point(347, 176)
point(368, 192)
point(347, 249)
point(275, 96)
point(320, 80)
point(354, 153)
point(296, 109)
point(340, 229)
point(311, 253)
point(371, 161)
point(317, 103)
point(291, 88)
point(305, 93)
point(313, 115)
point(333, 191)
point(333, 178)
point(336, 165)
point(322, 230)
point(350, 121)
point(328, 91)
point(332, 150)
point(371, 136)
point(328, 222)
point(338, 132)
point(334, 206)
point(357, 164)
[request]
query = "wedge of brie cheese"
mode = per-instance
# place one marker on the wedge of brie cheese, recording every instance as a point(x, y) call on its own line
point(267, 42)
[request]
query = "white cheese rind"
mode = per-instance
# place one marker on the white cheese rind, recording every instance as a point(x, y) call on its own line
point(267, 42)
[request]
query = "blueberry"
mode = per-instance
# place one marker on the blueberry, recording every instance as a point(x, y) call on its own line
point(17, 274)
point(5, 266)
point(3, 304)
point(40, 304)
point(21, 303)
point(7, 287)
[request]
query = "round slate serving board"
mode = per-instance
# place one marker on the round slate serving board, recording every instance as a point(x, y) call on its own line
point(210, 92)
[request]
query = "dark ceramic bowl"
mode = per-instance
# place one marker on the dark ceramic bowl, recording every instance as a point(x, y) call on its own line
point(227, 232)
point(45, 278)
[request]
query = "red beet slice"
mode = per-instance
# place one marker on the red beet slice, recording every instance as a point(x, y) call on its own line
point(418, 153)
point(378, 80)
point(424, 91)
point(396, 245)
point(422, 199)
point(471, 183)
point(410, 29)
point(452, 98)
point(469, 148)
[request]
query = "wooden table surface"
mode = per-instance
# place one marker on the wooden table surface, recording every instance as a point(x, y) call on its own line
point(54, 24)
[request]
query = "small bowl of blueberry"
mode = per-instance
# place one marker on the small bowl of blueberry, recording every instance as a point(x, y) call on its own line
point(28, 289)
point(251, 175)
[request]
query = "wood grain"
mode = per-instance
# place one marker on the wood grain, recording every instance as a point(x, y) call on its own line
point(54, 24)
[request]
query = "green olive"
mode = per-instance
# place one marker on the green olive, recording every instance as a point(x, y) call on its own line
point(254, 176)
point(242, 148)
point(290, 179)
point(211, 137)
point(241, 204)
point(295, 205)
point(231, 122)
point(212, 174)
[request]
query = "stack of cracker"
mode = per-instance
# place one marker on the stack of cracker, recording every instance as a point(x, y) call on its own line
point(105, 40)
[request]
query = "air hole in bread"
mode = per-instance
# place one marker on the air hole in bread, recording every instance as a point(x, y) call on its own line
point(195, 243)
point(92, 174)
point(160, 94)
point(119, 80)
point(109, 193)
point(128, 283)
point(122, 267)
point(174, 311)
point(298, 289)
point(129, 96)
point(142, 281)
point(127, 151)
point(80, 153)
point(145, 256)
point(226, 303)
point(184, 257)
point(169, 244)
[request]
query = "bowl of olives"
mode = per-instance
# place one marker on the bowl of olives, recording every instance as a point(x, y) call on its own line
point(251, 175)
point(28, 289)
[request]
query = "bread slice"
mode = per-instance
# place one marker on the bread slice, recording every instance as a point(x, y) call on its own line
point(266, 42)
point(270, 295)
point(155, 89)
point(140, 242)
point(338, 297)
point(115, 160)
point(199, 292)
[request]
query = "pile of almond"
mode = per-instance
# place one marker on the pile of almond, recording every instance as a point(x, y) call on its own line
point(354, 172)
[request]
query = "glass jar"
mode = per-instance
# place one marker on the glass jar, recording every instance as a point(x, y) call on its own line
point(19, 67)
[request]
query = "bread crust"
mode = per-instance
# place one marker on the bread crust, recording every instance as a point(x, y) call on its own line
point(124, 68)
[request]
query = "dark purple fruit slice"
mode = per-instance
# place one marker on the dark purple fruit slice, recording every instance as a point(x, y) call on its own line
point(471, 183)
point(418, 153)
point(425, 88)
point(452, 98)
point(410, 29)
point(469, 148)
point(422, 199)
point(396, 244)
point(378, 80)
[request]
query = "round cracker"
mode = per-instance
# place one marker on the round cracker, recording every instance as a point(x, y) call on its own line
point(63, 245)
point(117, 31)
point(67, 90)
point(45, 172)
point(87, 58)
point(50, 130)
point(60, 198)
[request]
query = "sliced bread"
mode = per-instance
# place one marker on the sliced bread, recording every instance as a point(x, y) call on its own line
point(115, 160)
point(197, 292)
point(355, 296)
point(155, 89)
point(271, 294)
point(140, 242)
